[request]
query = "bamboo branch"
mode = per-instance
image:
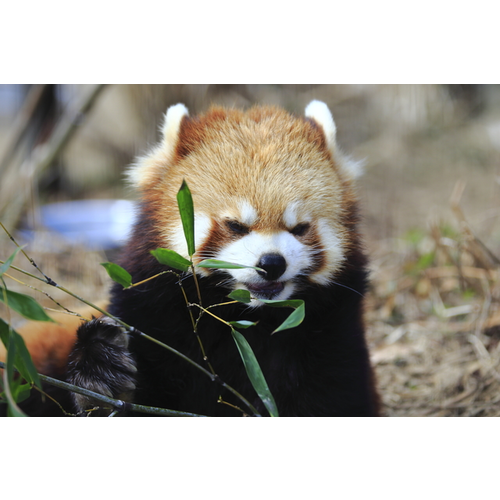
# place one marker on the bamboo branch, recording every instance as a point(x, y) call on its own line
point(116, 404)
point(130, 329)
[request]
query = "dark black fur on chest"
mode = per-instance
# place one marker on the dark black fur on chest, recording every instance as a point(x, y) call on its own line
point(320, 368)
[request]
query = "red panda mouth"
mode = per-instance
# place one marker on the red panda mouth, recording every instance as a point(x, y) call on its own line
point(266, 290)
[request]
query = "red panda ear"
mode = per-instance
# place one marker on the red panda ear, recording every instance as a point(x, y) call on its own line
point(319, 112)
point(172, 125)
point(145, 169)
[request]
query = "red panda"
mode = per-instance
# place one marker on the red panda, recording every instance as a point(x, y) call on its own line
point(272, 191)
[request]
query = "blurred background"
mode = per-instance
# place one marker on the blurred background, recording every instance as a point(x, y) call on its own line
point(72, 142)
point(430, 197)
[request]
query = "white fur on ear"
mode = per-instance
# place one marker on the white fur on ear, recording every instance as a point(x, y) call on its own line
point(172, 124)
point(319, 112)
point(144, 170)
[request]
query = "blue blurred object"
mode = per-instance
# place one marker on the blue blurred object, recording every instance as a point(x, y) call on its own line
point(96, 224)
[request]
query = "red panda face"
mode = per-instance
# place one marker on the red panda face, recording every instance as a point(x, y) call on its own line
point(270, 191)
point(296, 247)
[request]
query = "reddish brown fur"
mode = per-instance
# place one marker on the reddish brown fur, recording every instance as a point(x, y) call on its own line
point(50, 343)
point(274, 142)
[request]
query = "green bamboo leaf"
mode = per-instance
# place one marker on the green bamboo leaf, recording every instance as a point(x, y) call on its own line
point(241, 296)
point(283, 303)
point(9, 261)
point(22, 360)
point(186, 209)
point(24, 305)
point(295, 318)
point(243, 323)
point(21, 391)
point(171, 259)
point(4, 333)
point(118, 274)
point(222, 264)
point(8, 378)
point(255, 373)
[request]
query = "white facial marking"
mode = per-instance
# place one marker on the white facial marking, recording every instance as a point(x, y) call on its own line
point(202, 225)
point(333, 251)
point(290, 215)
point(249, 249)
point(248, 214)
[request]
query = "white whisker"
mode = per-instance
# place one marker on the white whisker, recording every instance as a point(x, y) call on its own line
point(348, 287)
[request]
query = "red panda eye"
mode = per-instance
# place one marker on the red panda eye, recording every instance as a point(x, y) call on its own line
point(300, 229)
point(236, 227)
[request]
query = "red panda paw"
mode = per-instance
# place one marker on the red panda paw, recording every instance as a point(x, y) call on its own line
point(101, 362)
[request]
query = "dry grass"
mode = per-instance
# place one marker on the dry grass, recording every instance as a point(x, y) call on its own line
point(434, 322)
point(75, 268)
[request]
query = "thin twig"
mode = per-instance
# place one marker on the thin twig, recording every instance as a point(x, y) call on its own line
point(66, 310)
point(131, 330)
point(33, 263)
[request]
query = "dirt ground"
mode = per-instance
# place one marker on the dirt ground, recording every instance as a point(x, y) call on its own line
point(431, 203)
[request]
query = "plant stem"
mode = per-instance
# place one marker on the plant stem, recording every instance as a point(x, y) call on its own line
point(211, 314)
point(196, 283)
point(130, 329)
point(46, 294)
point(213, 376)
point(117, 404)
point(147, 279)
point(195, 323)
point(33, 263)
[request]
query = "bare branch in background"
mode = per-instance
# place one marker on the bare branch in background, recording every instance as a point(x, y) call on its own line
point(14, 192)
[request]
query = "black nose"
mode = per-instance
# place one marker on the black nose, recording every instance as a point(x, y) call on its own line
point(273, 264)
